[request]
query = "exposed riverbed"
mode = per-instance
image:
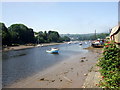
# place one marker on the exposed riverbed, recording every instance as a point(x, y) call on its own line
point(21, 64)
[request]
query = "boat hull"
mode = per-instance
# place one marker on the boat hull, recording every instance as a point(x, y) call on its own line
point(97, 45)
point(53, 52)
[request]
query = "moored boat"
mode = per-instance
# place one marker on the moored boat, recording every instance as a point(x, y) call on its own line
point(80, 43)
point(69, 43)
point(53, 51)
point(38, 45)
point(98, 43)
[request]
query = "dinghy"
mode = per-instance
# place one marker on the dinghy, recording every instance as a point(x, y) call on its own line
point(53, 50)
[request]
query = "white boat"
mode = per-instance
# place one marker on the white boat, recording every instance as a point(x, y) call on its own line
point(85, 42)
point(69, 43)
point(80, 43)
point(53, 50)
point(98, 43)
point(38, 45)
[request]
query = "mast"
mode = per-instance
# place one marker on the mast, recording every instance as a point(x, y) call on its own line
point(95, 35)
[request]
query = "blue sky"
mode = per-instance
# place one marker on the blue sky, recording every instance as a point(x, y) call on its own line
point(64, 17)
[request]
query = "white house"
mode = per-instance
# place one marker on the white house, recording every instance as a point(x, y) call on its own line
point(115, 34)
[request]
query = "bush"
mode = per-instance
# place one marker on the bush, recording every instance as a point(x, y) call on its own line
point(110, 66)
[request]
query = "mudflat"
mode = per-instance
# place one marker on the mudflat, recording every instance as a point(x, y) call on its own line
point(70, 73)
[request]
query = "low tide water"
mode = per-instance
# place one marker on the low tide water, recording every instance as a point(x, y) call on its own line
point(20, 64)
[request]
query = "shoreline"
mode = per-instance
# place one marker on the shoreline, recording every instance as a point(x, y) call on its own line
point(70, 73)
point(20, 47)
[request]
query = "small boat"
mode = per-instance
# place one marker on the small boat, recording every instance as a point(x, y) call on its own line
point(38, 45)
point(98, 43)
point(80, 43)
point(85, 42)
point(53, 50)
point(69, 43)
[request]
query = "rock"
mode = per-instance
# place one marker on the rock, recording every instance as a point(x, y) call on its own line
point(82, 60)
point(85, 74)
point(52, 80)
point(66, 72)
point(83, 57)
point(42, 79)
point(77, 73)
point(12, 48)
point(83, 87)
point(96, 71)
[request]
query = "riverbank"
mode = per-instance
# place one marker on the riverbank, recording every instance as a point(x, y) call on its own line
point(9, 48)
point(94, 76)
point(70, 73)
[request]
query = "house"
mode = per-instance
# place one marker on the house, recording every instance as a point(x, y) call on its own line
point(115, 34)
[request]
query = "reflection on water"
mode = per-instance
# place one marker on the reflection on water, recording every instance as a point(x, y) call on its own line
point(22, 63)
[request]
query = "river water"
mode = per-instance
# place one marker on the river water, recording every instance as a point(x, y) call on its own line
point(19, 64)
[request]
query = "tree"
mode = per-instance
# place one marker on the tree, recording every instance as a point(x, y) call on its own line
point(102, 35)
point(5, 34)
point(30, 38)
point(21, 34)
point(66, 38)
point(40, 37)
point(53, 36)
point(45, 36)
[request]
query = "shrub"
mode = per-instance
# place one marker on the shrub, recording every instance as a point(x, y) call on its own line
point(110, 66)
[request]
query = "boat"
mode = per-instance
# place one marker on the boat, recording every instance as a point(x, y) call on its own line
point(38, 45)
point(69, 43)
point(98, 43)
point(80, 43)
point(85, 42)
point(53, 51)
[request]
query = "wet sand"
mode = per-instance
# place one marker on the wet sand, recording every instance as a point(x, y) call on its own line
point(70, 73)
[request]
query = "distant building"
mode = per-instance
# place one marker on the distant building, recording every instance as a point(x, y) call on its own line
point(115, 34)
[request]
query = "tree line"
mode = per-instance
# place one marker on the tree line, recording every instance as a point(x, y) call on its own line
point(82, 37)
point(18, 34)
point(93, 36)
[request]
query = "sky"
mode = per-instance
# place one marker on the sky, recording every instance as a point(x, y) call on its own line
point(64, 17)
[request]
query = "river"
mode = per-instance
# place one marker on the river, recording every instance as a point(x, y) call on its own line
point(19, 64)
